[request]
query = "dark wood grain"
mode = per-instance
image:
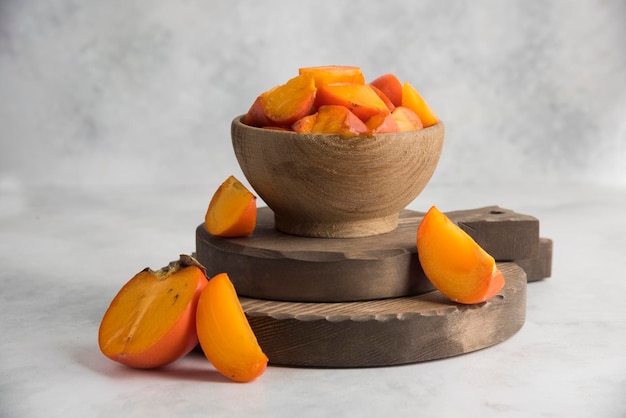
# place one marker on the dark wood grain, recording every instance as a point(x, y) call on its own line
point(505, 234)
point(386, 332)
point(277, 266)
point(539, 267)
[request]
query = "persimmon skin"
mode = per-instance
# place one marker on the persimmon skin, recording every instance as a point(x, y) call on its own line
point(455, 264)
point(305, 125)
point(224, 332)
point(390, 86)
point(383, 97)
point(382, 124)
point(151, 322)
point(232, 210)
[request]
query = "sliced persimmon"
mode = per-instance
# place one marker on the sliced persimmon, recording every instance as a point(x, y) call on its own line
point(406, 119)
point(285, 104)
point(256, 115)
point(232, 210)
point(383, 97)
point(152, 320)
point(382, 124)
point(225, 335)
point(360, 99)
point(390, 86)
point(414, 101)
point(335, 119)
point(455, 264)
point(304, 125)
point(331, 74)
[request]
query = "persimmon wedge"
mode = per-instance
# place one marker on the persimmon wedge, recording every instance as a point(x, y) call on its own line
point(414, 101)
point(406, 119)
point(391, 87)
point(455, 264)
point(285, 104)
point(339, 120)
point(360, 99)
point(152, 320)
point(231, 211)
point(225, 335)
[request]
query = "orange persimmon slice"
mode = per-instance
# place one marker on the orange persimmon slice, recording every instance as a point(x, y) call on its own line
point(225, 335)
point(232, 210)
point(285, 104)
point(335, 119)
point(406, 119)
point(256, 115)
point(382, 124)
point(331, 74)
point(455, 264)
point(390, 86)
point(383, 97)
point(414, 101)
point(360, 99)
point(152, 320)
point(304, 125)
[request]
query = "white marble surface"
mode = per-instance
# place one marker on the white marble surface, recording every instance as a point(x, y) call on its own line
point(65, 252)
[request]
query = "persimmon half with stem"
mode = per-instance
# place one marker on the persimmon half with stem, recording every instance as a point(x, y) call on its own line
point(152, 320)
point(455, 264)
point(225, 334)
point(232, 210)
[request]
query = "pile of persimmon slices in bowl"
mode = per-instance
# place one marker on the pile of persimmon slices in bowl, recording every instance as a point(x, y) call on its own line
point(336, 100)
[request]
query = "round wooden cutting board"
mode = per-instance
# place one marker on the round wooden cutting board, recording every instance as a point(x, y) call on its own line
point(386, 332)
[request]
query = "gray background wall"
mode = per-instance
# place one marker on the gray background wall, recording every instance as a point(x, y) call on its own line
point(142, 92)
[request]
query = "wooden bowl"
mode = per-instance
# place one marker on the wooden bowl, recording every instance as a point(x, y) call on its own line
point(321, 185)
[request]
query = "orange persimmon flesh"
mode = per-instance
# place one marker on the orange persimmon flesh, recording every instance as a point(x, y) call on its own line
point(360, 99)
point(335, 119)
point(414, 101)
point(406, 119)
point(331, 74)
point(382, 124)
point(285, 104)
point(305, 124)
point(225, 335)
point(294, 105)
point(383, 97)
point(152, 320)
point(231, 211)
point(455, 264)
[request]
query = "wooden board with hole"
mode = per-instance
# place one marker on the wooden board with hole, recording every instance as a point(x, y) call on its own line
point(277, 266)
